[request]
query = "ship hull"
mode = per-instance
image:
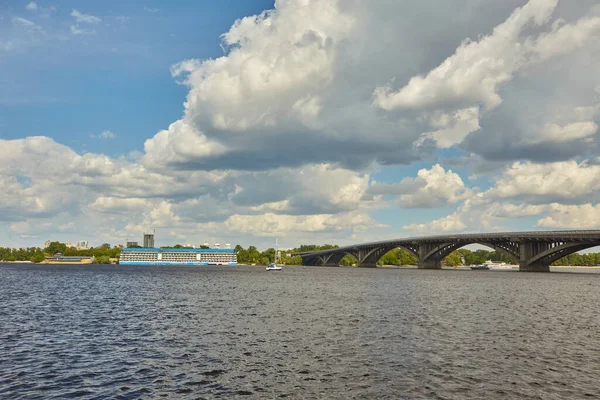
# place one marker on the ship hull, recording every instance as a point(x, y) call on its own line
point(198, 263)
point(82, 262)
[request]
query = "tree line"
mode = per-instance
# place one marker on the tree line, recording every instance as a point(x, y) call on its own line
point(252, 255)
point(102, 253)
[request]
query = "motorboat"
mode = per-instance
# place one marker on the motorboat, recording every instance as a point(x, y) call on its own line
point(498, 266)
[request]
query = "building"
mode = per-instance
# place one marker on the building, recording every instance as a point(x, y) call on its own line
point(69, 244)
point(81, 245)
point(132, 244)
point(47, 244)
point(149, 240)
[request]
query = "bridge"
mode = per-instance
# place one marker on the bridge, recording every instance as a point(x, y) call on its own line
point(533, 251)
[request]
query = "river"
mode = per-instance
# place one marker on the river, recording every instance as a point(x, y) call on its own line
point(98, 332)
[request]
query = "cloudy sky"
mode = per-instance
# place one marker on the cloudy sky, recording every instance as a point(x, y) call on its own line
point(313, 121)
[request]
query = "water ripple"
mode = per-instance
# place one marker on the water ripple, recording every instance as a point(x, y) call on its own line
point(127, 333)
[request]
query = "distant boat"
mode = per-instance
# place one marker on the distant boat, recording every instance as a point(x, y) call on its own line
point(58, 258)
point(482, 267)
point(497, 266)
point(273, 266)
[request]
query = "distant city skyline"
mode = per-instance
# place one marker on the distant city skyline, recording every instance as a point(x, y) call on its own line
point(310, 121)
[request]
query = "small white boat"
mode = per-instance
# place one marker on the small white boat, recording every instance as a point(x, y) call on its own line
point(273, 267)
point(498, 266)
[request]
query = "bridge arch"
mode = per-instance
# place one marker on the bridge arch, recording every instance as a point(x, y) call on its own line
point(557, 252)
point(441, 251)
point(371, 257)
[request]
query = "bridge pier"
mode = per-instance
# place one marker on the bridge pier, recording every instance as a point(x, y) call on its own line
point(430, 264)
point(537, 267)
point(427, 257)
point(530, 249)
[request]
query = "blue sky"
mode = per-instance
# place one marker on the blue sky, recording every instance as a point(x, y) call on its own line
point(308, 120)
point(116, 79)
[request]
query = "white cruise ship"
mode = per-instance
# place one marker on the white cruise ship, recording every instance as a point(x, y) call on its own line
point(173, 256)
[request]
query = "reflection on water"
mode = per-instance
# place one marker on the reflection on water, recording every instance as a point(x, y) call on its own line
point(139, 332)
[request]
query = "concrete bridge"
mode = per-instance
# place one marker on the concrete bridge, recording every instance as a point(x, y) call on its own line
point(533, 251)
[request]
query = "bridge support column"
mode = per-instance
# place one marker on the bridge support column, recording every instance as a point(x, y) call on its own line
point(530, 249)
point(537, 267)
point(426, 260)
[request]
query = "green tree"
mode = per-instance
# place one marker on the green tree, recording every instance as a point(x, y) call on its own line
point(37, 257)
point(389, 258)
point(56, 247)
point(270, 254)
point(406, 258)
point(452, 259)
point(347, 261)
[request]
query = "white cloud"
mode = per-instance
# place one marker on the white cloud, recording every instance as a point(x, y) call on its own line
point(574, 131)
point(278, 225)
point(26, 24)
point(32, 6)
point(477, 68)
point(280, 137)
point(452, 128)
point(451, 223)
point(106, 134)
point(585, 216)
point(85, 18)
point(552, 181)
point(475, 72)
point(433, 187)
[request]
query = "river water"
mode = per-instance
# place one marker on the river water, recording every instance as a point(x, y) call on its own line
point(102, 332)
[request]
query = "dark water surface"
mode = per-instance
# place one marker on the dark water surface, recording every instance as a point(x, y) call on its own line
point(150, 332)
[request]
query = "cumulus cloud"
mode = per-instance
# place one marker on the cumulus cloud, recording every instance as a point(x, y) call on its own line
point(561, 181)
point(32, 6)
point(277, 225)
point(52, 178)
point(475, 72)
point(303, 73)
point(451, 223)
point(431, 188)
point(585, 216)
point(283, 133)
point(451, 129)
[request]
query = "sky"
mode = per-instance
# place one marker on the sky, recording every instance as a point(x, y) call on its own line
point(310, 121)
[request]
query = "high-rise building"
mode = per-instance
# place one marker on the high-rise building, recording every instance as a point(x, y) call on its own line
point(81, 245)
point(148, 240)
point(132, 244)
point(47, 244)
